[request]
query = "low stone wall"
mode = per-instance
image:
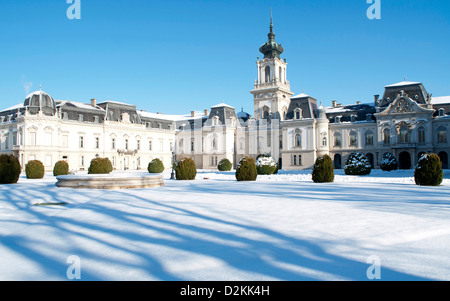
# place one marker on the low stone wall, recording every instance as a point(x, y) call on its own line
point(113, 181)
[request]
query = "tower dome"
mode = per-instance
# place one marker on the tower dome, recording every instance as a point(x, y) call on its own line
point(40, 101)
point(271, 49)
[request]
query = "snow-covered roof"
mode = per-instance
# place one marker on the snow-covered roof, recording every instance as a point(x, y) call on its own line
point(18, 106)
point(78, 105)
point(171, 117)
point(440, 100)
point(301, 95)
point(221, 105)
point(404, 83)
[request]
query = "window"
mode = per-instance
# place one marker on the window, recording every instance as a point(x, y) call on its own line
point(150, 145)
point(113, 143)
point(192, 145)
point(298, 114)
point(161, 146)
point(298, 139)
point(33, 138)
point(404, 136)
point(280, 74)
point(296, 160)
point(81, 142)
point(213, 160)
point(97, 142)
point(324, 141)
point(82, 161)
point(267, 73)
point(126, 144)
point(138, 144)
point(386, 136)
point(442, 135)
point(171, 146)
point(369, 138)
point(421, 132)
point(337, 139)
point(214, 144)
point(353, 139)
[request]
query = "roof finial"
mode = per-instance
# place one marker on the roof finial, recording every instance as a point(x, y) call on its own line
point(271, 24)
point(404, 78)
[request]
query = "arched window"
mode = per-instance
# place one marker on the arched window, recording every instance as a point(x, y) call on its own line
point(280, 76)
point(404, 136)
point(214, 143)
point(267, 73)
point(298, 113)
point(387, 136)
point(442, 135)
point(298, 138)
point(369, 138)
point(265, 112)
point(353, 139)
point(421, 133)
point(324, 141)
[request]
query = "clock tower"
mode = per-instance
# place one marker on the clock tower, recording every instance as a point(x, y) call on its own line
point(272, 90)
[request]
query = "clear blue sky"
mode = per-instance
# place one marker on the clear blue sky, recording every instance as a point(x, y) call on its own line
point(174, 56)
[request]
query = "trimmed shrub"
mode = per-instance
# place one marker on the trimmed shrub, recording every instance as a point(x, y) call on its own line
point(428, 171)
point(185, 169)
point(357, 164)
point(246, 170)
point(9, 169)
point(225, 165)
point(323, 170)
point(389, 162)
point(34, 169)
point(100, 166)
point(266, 166)
point(156, 166)
point(61, 168)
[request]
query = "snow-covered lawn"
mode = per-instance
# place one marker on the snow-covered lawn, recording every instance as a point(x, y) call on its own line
point(281, 227)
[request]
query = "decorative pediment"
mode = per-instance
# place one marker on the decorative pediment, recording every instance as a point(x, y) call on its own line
point(403, 105)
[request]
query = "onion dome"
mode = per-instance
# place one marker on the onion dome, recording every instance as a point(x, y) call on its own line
point(271, 49)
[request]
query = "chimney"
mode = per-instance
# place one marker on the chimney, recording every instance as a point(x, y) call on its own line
point(192, 113)
point(334, 103)
point(206, 112)
point(358, 102)
point(376, 98)
point(93, 102)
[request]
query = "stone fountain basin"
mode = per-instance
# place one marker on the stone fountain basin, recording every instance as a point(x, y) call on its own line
point(110, 181)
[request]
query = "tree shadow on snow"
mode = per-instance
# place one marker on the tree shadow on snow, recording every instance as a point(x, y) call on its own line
point(132, 235)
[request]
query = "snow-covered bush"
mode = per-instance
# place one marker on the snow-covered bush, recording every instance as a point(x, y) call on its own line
point(428, 171)
point(357, 164)
point(155, 166)
point(224, 165)
point(323, 170)
point(185, 169)
point(246, 169)
point(389, 162)
point(34, 169)
point(9, 169)
point(61, 168)
point(266, 165)
point(100, 166)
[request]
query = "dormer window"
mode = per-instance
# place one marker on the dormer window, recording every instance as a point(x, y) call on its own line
point(298, 114)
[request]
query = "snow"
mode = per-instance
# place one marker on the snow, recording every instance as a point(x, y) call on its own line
point(301, 95)
point(404, 83)
point(280, 227)
point(197, 115)
point(79, 105)
point(221, 105)
point(440, 100)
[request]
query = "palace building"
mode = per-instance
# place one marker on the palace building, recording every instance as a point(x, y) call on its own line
point(406, 121)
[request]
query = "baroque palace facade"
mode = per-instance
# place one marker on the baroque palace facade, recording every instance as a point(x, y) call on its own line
point(405, 121)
